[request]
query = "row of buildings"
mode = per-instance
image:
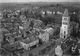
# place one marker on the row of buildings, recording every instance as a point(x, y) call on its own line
point(31, 37)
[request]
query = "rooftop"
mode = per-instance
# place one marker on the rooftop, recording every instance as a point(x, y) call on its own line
point(66, 14)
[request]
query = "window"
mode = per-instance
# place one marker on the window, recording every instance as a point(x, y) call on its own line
point(65, 19)
point(65, 23)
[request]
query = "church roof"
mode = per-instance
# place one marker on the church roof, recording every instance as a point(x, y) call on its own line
point(66, 13)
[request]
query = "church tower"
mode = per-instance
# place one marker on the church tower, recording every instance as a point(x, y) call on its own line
point(64, 30)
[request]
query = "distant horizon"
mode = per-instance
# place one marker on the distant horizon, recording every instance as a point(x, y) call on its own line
point(40, 2)
point(32, 1)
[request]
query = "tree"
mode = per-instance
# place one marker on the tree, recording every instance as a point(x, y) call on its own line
point(75, 28)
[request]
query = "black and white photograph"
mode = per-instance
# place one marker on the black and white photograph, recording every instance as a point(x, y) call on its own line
point(39, 27)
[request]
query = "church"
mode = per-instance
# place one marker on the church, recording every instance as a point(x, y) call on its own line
point(64, 30)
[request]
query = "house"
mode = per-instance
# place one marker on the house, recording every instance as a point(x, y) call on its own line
point(37, 23)
point(44, 36)
point(53, 12)
point(43, 12)
point(58, 12)
point(49, 30)
point(49, 12)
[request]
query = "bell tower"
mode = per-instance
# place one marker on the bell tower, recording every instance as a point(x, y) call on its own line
point(64, 30)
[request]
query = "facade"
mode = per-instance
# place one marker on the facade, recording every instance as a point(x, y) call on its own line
point(37, 23)
point(58, 12)
point(58, 51)
point(44, 36)
point(64, 30)
point(49, 30)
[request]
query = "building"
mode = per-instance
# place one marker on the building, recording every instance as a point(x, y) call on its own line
point(49, 30)
point(58, 51)
point(44, 36)
point(43, 12)
point(64, 30)
point(37, 23)
point(49, 12)
point(58, 12)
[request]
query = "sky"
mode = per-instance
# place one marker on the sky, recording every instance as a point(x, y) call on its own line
point(10, 1)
